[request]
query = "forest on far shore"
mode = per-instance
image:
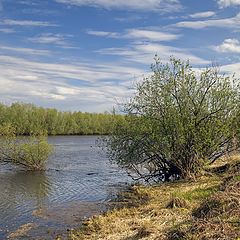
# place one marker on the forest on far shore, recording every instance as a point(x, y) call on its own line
point(28, 119)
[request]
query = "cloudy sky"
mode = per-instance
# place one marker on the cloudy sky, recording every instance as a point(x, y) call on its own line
point(86, 54)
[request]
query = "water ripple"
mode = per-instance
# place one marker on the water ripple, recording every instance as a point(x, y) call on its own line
point(76, 173)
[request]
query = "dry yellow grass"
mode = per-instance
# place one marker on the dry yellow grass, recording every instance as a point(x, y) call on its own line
point(150, 220)
point(165, 207)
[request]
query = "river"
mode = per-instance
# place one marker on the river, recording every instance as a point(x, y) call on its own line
point(78, 183)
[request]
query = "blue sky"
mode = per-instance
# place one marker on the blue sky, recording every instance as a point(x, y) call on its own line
point(86, 55)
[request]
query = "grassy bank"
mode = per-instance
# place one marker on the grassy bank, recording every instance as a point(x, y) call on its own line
point(208, 208)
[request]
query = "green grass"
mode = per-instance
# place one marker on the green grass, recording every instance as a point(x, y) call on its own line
point(199, 193)
point(237, 178)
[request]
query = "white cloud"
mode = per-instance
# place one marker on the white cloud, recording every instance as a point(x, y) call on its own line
point(24, 50)
point(67, 91)
point(233, 22)
point(104, 34)
point(231, 69)
point(27, 23)
point(50, 38)
point(49, 84)
point(151, 35)
point(27, 78)
point(7, 30)
point(79, 71)
point(28, 2)
point(128, 19)
point(142, 5)
point(229, 45)
point(137, 34)
point(144, 53)
point(228, 3)
point(202, 14)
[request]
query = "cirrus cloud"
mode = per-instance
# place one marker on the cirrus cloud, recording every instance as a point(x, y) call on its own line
point(144, 52)
point(27, 23)
point(202, 14)
point(142, 5)
point(233, 22)
point(228, 3)
point(137, 34)
point(51, 38)
point(50, 84)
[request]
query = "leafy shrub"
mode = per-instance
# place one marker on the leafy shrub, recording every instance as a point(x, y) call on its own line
point(30, 152)
point(178, 121)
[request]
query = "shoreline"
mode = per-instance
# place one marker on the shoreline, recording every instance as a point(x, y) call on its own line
point(171, 211)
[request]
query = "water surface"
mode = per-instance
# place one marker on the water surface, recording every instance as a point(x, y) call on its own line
point(78, 182)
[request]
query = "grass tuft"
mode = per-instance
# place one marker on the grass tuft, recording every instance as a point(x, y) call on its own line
point(177, 202)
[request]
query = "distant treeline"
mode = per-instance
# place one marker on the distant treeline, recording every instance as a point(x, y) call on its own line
point(28, 119)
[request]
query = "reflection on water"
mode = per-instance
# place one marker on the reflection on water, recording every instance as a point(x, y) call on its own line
point(76, 185)
point(18, 190)
point(19, 193)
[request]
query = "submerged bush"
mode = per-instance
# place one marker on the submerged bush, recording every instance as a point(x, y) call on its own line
point(29, 152)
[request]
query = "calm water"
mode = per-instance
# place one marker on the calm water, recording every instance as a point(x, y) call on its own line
point(78, 183)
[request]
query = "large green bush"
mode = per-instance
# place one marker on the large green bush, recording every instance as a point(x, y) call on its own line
point(178, 120)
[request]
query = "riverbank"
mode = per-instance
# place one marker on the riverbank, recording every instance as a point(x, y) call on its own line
point(208, 208)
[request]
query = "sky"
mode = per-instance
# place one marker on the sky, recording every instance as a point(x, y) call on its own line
point(86, 55)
